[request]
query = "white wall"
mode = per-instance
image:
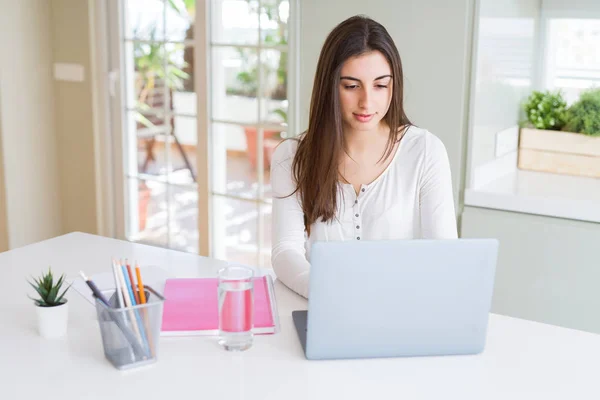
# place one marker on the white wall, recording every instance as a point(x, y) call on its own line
point(74, 117)
point(28, 134)
point(433, 38)
point(3, 220)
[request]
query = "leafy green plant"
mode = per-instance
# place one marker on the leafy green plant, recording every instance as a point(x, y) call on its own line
point(584, 115)
point(154, 61)
point(48, 290)
point(247, 79)
point(183, 7)
point(546, 110)
point(187, 10)
point(282, 113)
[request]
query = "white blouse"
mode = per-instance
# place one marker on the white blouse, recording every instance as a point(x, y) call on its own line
point(411, 199)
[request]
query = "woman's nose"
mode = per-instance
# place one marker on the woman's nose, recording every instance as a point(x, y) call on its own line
point(365, 98)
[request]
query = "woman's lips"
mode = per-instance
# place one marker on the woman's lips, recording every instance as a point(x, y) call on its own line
point(363, 117)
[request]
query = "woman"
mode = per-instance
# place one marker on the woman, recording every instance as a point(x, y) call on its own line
point(361, 171)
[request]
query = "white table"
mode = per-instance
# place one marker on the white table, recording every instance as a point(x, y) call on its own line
point(522, 359)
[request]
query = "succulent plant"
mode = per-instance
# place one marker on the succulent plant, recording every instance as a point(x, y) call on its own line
point(48, 290)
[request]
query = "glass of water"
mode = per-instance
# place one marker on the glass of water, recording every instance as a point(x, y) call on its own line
point(236, 307)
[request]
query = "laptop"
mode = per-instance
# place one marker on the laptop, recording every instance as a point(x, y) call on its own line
point(397, 298)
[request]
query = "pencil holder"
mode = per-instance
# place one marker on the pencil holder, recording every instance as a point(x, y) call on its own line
point(130, 334)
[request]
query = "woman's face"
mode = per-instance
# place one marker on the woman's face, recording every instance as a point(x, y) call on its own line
point(365, 91)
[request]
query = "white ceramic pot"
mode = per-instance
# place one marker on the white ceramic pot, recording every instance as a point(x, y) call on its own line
point(52, 321)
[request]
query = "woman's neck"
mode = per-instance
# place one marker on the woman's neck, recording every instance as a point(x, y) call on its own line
point(358, 142)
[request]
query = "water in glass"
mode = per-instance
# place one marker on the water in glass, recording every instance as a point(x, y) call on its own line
point(236, 307)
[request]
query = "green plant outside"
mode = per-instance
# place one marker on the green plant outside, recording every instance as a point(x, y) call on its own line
point(153, 60)
point(584, 115)
point(248, 78)
point(183, 7)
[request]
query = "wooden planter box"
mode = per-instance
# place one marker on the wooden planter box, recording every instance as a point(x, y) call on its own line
point(559, 152)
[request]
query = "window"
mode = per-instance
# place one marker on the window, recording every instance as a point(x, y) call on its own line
point(572, 56)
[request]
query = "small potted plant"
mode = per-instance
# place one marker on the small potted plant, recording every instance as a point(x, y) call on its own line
point(51, 306)
point(561, 140)
point(271, 138)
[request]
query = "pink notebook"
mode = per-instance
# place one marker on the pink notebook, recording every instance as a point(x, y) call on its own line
point(191, 307)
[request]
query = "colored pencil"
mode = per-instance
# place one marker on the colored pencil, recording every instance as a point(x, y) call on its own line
point(132, 283)
point(128, 304)
point(118, 291)
point(136, 320)
point(145, 312)
point(138, 273)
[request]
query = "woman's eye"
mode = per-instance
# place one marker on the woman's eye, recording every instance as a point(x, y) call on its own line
point(382, 86)
point(351, 86)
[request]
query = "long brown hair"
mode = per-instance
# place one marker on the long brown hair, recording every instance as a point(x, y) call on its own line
point(315, 165)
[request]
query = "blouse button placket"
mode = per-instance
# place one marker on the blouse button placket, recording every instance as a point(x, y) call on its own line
point(357, 215)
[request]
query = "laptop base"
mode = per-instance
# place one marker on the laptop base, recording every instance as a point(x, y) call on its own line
point(300, 318)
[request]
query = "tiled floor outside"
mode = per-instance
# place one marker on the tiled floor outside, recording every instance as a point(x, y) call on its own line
point(238, 236)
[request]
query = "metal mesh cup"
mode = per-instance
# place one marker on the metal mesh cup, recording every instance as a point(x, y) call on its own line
point(130, 335)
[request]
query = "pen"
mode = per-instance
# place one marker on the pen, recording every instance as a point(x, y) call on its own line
point(95, 289)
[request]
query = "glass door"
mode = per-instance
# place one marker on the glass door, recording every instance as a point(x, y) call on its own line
point(203, 98)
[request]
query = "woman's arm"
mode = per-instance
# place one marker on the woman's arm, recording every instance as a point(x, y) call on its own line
point(436, 201)
point(288, 255)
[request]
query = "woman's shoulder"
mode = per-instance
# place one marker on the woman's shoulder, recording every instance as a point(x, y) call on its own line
point(284, 153)
point(423, 141)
